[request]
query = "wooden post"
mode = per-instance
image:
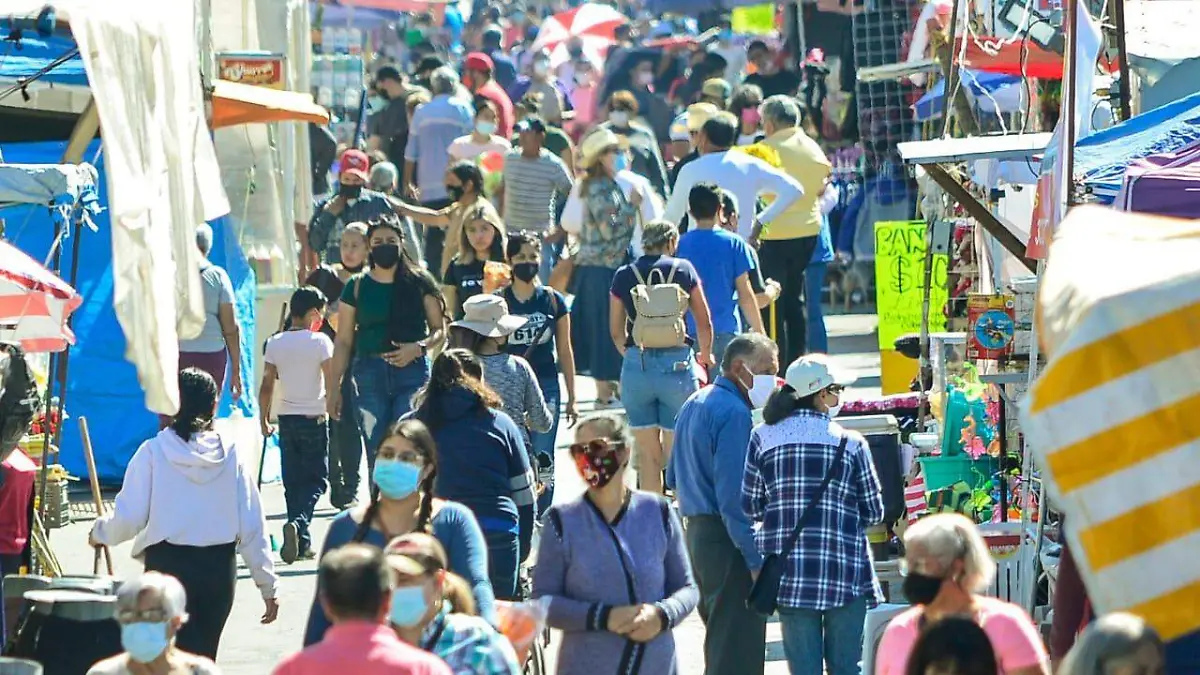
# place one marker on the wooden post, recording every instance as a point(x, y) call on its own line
point(954, 94)
point(99, 502)
point(1123, 56)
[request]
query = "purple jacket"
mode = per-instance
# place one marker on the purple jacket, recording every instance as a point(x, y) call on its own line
point(587, 566)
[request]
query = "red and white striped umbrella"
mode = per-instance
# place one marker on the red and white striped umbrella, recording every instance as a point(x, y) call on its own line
point(34, 303)
point(593, 24)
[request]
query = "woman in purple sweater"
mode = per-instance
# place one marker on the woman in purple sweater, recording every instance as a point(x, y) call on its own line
point(614, 565)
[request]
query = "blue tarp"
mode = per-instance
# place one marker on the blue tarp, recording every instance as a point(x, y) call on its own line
point(931, 104)
point(102, 385)
point(1101, 158)
point(32, 53)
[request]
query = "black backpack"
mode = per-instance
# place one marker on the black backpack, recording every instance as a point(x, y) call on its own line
point(20, 401)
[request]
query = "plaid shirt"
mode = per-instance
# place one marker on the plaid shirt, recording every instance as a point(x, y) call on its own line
point(831, 564)
point(469, 645)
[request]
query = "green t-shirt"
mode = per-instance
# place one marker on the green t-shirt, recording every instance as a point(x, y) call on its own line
point(557, 142)
point(374, 303)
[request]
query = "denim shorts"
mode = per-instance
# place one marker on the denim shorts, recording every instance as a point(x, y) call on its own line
point(655, 383)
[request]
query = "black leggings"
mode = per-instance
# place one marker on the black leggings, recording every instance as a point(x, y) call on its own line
point(208, 575)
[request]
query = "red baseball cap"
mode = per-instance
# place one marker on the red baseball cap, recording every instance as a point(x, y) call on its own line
point(480, 61)
point(356, 163)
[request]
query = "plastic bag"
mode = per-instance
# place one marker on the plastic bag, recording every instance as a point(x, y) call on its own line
point(522, 623)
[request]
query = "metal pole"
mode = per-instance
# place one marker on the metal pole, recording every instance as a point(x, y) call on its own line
point(1123, 56)
point(1068, 90)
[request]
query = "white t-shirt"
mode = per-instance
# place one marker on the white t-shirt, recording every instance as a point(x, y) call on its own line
point(298, 356)
point(465, 147)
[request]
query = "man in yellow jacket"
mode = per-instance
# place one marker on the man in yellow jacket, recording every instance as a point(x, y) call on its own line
point(787, 244)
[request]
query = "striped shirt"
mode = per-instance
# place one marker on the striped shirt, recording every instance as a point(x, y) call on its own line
point(513, 379)
point(532, 188)
point(785, 465)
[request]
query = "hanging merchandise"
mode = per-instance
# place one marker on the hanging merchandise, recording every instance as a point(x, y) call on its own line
point(991, 326)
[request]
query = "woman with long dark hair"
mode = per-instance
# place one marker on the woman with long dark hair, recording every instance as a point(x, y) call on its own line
point(464, 185)
point(189, 469)
point(402, 502)
point(390, 317)
point(483, 461)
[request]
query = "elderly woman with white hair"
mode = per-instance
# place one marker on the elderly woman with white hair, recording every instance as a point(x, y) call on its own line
point(220, 336)
point(150, 610)
point(1116, 644)
point(946, 568)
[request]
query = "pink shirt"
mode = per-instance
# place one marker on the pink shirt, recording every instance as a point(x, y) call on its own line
point(1014, 638)
point(362, 648)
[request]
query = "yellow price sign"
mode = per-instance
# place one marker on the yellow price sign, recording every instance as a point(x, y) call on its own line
point(900, 281)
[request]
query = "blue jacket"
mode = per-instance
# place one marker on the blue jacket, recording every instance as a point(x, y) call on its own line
point(712, 434)
point(482, 463)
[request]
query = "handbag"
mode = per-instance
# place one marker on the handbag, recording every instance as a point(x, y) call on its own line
point(764, 594)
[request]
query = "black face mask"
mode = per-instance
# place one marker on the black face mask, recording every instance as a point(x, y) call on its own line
point(350, 191)
point(525, 271)
point(455, 192)
point(385, 256)
point(921, 589)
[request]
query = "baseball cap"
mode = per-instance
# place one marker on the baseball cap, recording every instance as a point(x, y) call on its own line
point(415, 553)
point(698, 114)
point(814, 372)
point(479, 61)
point(716, 88)
point(530, 123)
point(356, 163)
point(679, 127)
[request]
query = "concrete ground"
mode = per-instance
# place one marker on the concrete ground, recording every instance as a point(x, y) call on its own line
point(249, 648)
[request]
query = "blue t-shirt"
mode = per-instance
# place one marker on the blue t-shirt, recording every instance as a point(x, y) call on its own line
point(546, 306)
point(679, 272)
point(720, 257)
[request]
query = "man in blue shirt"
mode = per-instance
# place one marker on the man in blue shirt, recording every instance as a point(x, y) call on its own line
point(712, 433)
point(723, 261)
point(503, 68)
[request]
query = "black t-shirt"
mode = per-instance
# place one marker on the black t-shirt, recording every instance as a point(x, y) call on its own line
point(467, 280)
point(391, 125)
point(786, 82)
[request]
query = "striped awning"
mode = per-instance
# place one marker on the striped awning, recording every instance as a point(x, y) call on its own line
point(1114, 418)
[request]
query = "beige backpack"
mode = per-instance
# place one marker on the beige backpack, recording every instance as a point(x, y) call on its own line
point(660, 310)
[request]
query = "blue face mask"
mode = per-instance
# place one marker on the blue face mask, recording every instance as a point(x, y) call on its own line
point(620, 162)
point(396, 479)
point(486, 128)
point(408, 606)
point(144, 641)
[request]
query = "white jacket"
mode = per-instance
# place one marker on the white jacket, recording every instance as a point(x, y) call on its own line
point(193, 493)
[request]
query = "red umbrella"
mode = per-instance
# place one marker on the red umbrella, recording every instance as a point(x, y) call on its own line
point(34, 304)
point(591, 23)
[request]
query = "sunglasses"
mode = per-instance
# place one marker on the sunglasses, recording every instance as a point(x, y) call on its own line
point(835, 389)
point(596, 446)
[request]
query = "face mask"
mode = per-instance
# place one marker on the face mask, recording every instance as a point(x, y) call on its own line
point(455, 192)
point(834, 410)
point(396, 479)
point(620, 162)
point(597, 462)
point(350, 191)
point(645, 79)
point(761, 390)
point(376, 103)
point(316, 323)
point(619, 118)
point(385, 256)
point(921, 589)
point(751, 116)
point(725, 35)
point(541, 67)
point(575, 52)
point(408, 606)
point(486, 128)
point(525, 271)
point(144, 641)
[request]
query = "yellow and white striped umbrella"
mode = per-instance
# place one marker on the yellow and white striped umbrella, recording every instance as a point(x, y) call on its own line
point(1114, 419)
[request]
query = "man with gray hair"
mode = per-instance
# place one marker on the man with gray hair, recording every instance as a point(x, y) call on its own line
point(712, 433)
point(220, 338)
point(434, 127)
point(787, 247)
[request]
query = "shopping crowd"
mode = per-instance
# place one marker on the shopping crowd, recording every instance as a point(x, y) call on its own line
point(513, 221)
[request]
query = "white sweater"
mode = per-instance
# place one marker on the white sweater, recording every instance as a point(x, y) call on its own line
point(193, 493)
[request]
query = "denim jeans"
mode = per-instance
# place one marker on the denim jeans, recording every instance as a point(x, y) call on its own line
point(504, 559)
point(345, 450)
point(384, 396)
point(814, 283)
point(655, 383)
point(813, 639)
point(303, 456)
point(550, 254)
point(543, 443)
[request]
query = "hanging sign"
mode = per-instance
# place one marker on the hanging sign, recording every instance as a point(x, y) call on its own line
point(992, 326)
point(900, 281)
point(262, 69)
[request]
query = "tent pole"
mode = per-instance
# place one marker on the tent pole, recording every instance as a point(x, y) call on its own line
point(1123, 56)
point(1068, 90)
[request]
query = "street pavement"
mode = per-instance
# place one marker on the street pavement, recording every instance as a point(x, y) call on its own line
point(250, 648)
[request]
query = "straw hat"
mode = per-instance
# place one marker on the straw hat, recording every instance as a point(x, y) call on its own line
point(488, 315)
point(596, 144)
point(698, 114)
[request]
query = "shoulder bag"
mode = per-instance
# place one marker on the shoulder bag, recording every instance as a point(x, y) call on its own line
point(764, 594)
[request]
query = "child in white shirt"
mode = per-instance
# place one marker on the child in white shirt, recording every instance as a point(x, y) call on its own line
point(301, 358)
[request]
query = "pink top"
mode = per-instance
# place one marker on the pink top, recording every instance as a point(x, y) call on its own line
point(362, 648)
point(1014, 638)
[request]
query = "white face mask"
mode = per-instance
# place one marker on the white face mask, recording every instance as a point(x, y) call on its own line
point(834, 410)
point(761, 390)
point(619, 118)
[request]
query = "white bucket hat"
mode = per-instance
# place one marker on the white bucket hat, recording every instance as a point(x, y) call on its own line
point(814, 372)
point(488, 315)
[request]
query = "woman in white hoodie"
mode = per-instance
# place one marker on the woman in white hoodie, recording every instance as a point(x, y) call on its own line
point(189, 505)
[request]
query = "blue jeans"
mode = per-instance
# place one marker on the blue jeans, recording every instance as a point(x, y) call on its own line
point(303, 457)
point(543, 443)
point(384, 396)
point(550, 253)
point(655, 383)
point(814, 282)
point(504, 559)
point(813, 639)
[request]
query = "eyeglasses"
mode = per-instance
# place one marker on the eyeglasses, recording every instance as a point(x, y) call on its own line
point(596, 446)
point(144, 616)
point(835, 389)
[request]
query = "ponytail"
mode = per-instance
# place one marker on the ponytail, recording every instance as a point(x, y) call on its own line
point(197, 403)
point(364, 527)
point(425, 512)
point(457, 592)
point(784, 401)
